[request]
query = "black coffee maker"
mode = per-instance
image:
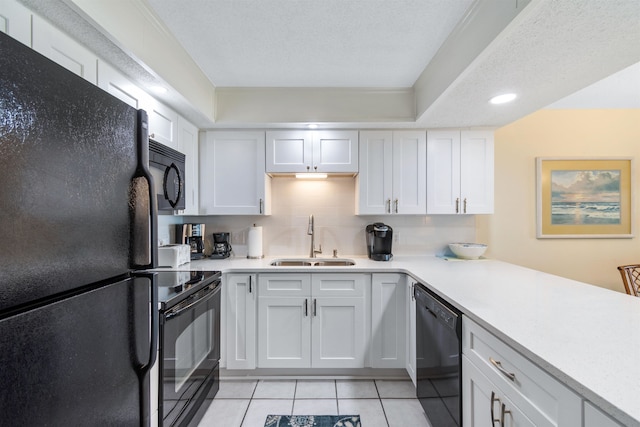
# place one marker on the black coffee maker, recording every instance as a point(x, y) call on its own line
point(192, 235)
point(379, 238)
point(221, 245)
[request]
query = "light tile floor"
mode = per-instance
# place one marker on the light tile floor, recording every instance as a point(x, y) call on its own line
point(380, 403)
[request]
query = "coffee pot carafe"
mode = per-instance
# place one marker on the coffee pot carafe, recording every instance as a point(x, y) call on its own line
point(379, 238)
point(221, 246)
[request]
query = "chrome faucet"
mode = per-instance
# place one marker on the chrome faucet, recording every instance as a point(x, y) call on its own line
point(311, 232)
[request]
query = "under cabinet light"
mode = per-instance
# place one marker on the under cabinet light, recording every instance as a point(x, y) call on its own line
point(312, 126)
point(311, 175)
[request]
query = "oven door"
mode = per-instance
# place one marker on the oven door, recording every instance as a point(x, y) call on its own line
point(190, 351)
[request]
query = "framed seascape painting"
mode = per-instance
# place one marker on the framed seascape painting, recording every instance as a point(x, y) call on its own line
point(584, 198)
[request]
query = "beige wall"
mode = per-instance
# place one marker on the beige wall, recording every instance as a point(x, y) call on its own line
point(511, 231)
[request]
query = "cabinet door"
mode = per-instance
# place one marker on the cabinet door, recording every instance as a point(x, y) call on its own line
point(112, 81)
point(593, 417)
point(476, 172)
point(15, 20)
point(232, 174)
point(388, 321)
point(188, 144)
point(409, 172)
point(62, 49)
point(443, 172)
point(284, 339)
point(374, 182)
point(335, 151)
point(241, 321)
point(338, 331)
point(482, 402)
point(289, 151)
point(411, 331)
point(163, 123)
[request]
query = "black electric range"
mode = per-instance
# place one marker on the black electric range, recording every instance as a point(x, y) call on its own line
point(189, 344)
point(176, 286)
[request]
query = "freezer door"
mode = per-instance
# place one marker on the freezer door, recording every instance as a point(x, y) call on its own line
point(68, 154)
point(80, 361)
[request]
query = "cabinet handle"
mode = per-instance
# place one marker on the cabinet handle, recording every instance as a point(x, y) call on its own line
point(315, 313)
point(249, 284)
point(494, 399)
point(388, 205)
point(413, 289)
point(502, 413)
point(396, 202)
point(308, 168)
point(306, 307)
point(464, 205)
point(261, 203)
point(315, 168)
point(503, 371)
point(457, 204)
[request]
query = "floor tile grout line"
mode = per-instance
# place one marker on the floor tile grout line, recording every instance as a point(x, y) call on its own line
point(246, 411)
point(375, 383)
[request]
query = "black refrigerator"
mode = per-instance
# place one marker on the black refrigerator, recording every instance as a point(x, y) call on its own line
point(78, 322)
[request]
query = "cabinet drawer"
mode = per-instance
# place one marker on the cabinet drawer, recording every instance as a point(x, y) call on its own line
point(284, 285)
point(543, 398)
point(338, 285)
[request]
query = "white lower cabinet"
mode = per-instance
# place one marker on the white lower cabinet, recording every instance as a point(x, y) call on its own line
point(514, 380)
point(388, 321)
point(483, 404)
point(593, 417)
point(410, 309)
point(240, 328)
point(312, 320)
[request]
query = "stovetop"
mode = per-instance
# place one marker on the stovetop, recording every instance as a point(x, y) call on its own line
point(175, 286)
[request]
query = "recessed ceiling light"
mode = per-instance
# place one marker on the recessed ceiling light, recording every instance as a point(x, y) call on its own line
point(504, 98)
point(312, 126)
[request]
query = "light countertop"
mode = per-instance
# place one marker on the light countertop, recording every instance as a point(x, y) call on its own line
point(586, 336)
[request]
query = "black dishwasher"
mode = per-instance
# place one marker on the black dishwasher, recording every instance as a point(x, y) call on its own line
point(438, 358)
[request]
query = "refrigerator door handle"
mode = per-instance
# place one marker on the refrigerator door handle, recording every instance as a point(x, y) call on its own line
point(142, 370)
point(143, 204)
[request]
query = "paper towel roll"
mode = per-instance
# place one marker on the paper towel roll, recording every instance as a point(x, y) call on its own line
point(255, 242)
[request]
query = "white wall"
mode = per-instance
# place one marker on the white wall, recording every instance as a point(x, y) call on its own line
point(332, 202)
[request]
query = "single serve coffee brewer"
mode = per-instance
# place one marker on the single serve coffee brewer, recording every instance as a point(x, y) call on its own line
point(379, 239)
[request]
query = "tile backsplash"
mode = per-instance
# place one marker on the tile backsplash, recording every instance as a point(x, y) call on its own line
point(332, 203)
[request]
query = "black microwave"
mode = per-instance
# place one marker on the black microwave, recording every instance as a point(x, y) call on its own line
point(167, 168)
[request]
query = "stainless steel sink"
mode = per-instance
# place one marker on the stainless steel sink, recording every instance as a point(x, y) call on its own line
point(291, 263)
point(334, 263)
point(308, 262)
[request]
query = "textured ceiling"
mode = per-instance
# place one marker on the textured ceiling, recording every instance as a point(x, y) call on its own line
point(550, 50)
point(311, 43)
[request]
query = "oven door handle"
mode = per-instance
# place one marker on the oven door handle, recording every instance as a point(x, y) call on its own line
point(177, 312)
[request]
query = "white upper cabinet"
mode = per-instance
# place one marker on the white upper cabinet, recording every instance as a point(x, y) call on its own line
point(15, 20)
point(326, 151)
point(460, 172)
point(188, 144)
point(163, 123)
point(62, 49)
point(392, 178)
point(232, 174)
point(112, 81)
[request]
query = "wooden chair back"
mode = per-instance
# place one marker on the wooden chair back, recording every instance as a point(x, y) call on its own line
point(631, 278)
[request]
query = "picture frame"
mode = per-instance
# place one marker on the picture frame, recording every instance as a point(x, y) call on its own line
point(580, 198)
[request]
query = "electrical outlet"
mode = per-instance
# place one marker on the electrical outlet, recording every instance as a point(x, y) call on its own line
point(396, 236)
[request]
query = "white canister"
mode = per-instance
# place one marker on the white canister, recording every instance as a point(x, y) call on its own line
point(255, 243)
